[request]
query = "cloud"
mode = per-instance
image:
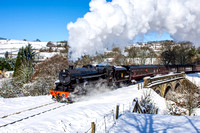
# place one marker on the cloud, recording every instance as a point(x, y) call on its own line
point(121, 21)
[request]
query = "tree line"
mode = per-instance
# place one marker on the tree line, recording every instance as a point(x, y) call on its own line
point(181, 53)
point(169, 53)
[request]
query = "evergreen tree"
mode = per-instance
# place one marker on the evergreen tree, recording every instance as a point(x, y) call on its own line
point(19, 61)
point(6, 55)
point(7, 64)
point(24, 64)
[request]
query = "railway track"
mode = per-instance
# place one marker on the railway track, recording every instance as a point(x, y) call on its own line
point(29, 113)
point(26, 110)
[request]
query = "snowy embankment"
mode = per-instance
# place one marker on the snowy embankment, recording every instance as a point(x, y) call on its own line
point(73, 117)
point(194, 78)
point(95, 107)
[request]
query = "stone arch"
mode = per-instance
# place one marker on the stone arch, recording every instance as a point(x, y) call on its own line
point(158, 91)
point(178, 87)
point(169, 85)
point(168, 92)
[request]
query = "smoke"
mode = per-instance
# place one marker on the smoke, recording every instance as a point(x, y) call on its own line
point(120, 21)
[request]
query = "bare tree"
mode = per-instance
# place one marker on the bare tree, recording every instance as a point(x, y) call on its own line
point(192, 96)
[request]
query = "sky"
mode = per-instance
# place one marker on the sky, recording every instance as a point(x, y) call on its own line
point(39, 19)
point(46, 20)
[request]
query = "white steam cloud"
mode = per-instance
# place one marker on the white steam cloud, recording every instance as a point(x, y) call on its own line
point(121, 21)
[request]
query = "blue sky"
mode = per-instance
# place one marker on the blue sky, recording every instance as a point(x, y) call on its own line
point(43, 19)
point(39, 19)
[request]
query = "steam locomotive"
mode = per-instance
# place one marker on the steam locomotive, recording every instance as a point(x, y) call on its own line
point(74, 80)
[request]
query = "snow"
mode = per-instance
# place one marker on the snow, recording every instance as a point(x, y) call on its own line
point(16, 44)
point(12, 105)
point(47, 54)
point(194, 77)
point(77, 116)
point(148, 123)
point(13, 46)
point(99, 107)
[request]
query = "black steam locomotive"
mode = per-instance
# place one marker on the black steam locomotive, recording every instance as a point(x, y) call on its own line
point(74, 81)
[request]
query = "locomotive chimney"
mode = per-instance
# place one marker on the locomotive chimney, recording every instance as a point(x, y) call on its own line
point(71, 67)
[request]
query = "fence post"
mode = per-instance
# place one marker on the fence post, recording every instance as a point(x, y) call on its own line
point(117, 111)
point(157, 111)
point(93, 127)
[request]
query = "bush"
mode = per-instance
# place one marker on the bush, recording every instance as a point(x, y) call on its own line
point(9, 90)
point(147, 103)
point(40, 86)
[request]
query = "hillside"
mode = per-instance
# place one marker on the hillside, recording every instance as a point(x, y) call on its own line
point(2, 38)
point(13, 46)
point(98, 106)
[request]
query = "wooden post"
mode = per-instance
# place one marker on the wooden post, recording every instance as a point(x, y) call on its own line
point(135, 109)
point(93, 127)
point(138, 86)
point(157, 111)
point(117, 112)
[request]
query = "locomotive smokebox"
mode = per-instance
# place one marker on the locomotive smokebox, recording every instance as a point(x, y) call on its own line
point(65, 76)
point(71, 67)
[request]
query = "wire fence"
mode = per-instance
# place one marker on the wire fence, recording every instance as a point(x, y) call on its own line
point(104, 124)
point(109, 120)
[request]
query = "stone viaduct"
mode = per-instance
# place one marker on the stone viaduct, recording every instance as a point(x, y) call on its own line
point(165, 84)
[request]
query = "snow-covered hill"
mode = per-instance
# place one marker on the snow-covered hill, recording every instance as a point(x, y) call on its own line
point(12, 46)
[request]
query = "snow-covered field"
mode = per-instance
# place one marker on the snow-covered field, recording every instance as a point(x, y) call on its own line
point(12, 46)
point(95, 107)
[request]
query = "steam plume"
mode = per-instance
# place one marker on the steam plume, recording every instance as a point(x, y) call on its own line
point(120, 21)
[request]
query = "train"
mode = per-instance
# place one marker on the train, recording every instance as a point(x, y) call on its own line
point(73, 81)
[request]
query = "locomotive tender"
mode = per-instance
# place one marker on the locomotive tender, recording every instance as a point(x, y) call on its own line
point(74, 80)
